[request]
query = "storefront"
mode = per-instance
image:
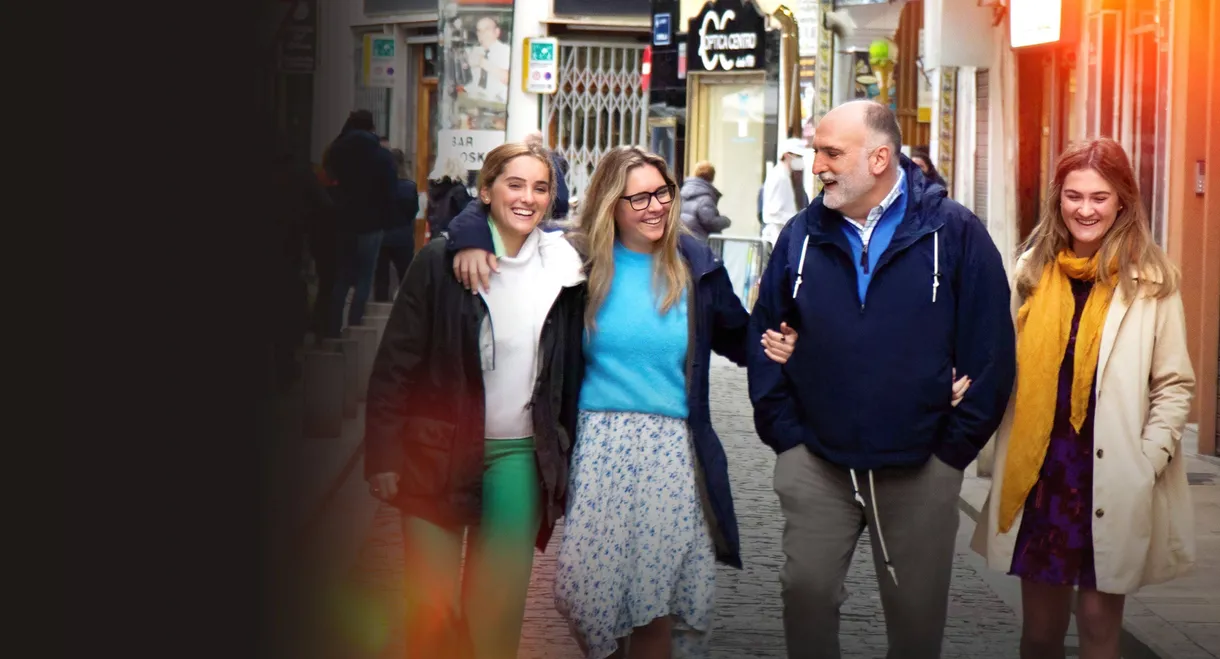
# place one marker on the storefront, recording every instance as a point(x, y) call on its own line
point(719, 94)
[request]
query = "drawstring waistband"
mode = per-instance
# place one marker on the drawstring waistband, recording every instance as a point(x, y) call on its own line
point(872, 494)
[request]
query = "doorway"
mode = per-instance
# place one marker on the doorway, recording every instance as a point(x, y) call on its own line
point(728, 129)
point(727, 125)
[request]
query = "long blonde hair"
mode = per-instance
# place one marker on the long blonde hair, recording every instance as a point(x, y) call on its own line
point(595, 236)
point(1128, 242)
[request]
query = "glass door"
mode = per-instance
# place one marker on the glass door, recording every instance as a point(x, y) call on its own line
point(731, 137)
point(728, 129)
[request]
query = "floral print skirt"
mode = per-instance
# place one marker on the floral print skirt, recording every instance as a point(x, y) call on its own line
point(636, 545)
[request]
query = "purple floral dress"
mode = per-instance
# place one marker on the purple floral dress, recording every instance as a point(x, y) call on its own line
point(1055, 543)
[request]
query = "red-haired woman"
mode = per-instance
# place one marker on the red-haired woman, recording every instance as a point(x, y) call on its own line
point(1090, 492)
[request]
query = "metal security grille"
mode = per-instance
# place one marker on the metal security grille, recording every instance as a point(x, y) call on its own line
point(600, 105)
point(373, 99)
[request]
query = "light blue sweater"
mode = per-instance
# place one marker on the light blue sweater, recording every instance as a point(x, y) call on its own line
point(636, 357)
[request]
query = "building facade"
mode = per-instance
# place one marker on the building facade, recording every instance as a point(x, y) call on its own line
point(599, 102)
point(1014, 89)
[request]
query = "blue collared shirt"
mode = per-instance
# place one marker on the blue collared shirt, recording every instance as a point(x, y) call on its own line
point(870, 238)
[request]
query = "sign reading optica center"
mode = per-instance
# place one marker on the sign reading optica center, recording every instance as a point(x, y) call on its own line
point(728, 35)
point(1035, 22)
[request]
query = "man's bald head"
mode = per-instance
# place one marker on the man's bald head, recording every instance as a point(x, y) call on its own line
point(856, 149)
point(879, 123)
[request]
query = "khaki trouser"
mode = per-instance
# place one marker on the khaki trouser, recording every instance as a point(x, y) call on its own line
point(823, 521)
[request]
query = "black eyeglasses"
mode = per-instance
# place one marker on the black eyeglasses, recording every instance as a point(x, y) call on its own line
point(641, 200)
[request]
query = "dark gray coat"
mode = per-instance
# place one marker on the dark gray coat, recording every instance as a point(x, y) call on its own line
point(699, 212)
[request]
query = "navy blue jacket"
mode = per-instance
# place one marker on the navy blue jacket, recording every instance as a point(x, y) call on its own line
point(365, 195)
point(720, 323)
point(560, 209)
point(869, 385)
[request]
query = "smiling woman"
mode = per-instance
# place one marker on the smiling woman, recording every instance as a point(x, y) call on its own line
point(1092, 499)
point(471, 411)
point(517, 186)
point(646, 460)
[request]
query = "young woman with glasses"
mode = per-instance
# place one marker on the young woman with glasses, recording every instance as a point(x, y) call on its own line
point(649, 510)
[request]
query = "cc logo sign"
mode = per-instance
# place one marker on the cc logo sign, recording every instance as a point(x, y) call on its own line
point(718, 23)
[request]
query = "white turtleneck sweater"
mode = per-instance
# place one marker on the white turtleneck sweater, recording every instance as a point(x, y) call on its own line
point(519, 299)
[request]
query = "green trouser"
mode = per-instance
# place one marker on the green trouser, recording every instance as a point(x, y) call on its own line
point(490, 595)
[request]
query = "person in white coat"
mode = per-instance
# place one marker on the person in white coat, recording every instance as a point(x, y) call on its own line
point(1090, 490)
point(779, 195)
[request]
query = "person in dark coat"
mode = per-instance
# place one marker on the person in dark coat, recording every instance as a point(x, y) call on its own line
point(366, 185)
point(899, 286)
point(646, 456)
point(699, 199)
point(472, 409)
point(398, 244)
point(447, 195)
point(921, 157)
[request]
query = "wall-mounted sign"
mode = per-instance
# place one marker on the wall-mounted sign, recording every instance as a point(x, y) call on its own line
point(662, 30)
point(378, 65)
point(541, 71)
point(727, 35)
point(469, 147)
point(297, 46)
point(1035, 22)
point(476, 67)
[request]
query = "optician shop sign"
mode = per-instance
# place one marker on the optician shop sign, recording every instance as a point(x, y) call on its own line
point(728, 35)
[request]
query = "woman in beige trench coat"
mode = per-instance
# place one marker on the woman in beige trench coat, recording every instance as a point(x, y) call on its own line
point(1090, 490)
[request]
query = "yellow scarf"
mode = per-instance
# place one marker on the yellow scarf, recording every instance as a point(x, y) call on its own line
point(1044, 324)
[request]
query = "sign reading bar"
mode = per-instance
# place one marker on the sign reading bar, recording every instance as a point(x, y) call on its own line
point(1035, 22)
point(728, 35)
point(470, 147)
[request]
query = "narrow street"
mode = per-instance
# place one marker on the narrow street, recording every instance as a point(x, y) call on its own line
point(748, 621)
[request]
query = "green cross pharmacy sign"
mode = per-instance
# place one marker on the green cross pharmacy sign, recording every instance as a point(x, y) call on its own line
point(541, 71)
point(378, 66)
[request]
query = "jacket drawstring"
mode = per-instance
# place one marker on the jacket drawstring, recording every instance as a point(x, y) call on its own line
point(935, 264)
point(872, 493)
point(800, 268)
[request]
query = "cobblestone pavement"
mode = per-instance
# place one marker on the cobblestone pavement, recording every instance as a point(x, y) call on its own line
point(748, 620)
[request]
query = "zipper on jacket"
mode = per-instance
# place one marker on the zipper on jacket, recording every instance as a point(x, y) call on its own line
point(892, 255)
point(541, 360)
point(479, 331)
point(864, 258)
